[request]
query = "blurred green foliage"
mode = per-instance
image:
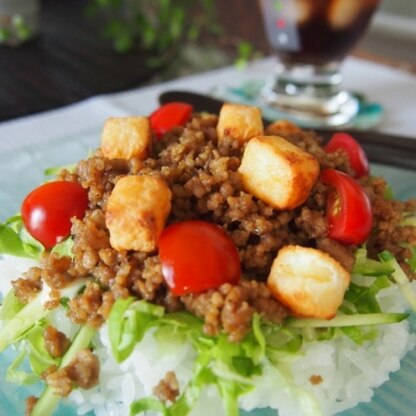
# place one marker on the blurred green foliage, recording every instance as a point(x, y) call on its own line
point(156, 26)
point(15, 31)
point(161, 28)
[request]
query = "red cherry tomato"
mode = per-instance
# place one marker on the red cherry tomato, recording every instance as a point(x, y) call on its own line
point(197, 256)
point(349, 211)
point(170, 115)
point(48, 209)
point(356, 155)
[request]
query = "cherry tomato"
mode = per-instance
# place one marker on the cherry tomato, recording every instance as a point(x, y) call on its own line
point(349, 211)
point(356, 155)
point(170, 115)
point(197, 256)
point(48, 209)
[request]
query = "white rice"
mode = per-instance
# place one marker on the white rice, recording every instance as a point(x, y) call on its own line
point(349, 371)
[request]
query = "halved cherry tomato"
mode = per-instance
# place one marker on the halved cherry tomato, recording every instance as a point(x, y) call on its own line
point(356, 155)
point(170, 115)
point(48, 209)
point(197, 256)
point(349, 210)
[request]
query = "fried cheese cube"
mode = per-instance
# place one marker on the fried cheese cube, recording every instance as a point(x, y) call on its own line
point(309, 282)
point(242, 122)
point(278, 172)
point(282, 128)
point(126, 137)
point(136, 213)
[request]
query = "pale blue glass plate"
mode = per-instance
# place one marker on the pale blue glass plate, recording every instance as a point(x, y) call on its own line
point(20, 172)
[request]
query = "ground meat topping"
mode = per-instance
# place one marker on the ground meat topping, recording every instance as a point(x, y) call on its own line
point(54, 299)
point(82, 371)
point(388, 232)
point(55, 270)
point(168, 388)
point(85, 308)
point(338, 251)
point(232, 307)
point(29, 285)
point(203, 177)
point(30, 404)
point(56, 342)
point(316, 379)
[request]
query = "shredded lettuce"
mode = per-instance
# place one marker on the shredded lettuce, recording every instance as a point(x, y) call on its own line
point(33, 349)
point(409, 218)
point(16, 241)
point(15, 374)
point(411, 261)
point(10, 306)
point(230, 366)
point(148, 404)
point(64, 248)
point(17, 326)
point(388, 193)
point(369, 267)
point(19, 319)
point(39, 357)
point(55, 170)
point(400, 278)
point(348, 320)
point(48, 401)
point(127, 324)
point(364, 297)
point(369, 276)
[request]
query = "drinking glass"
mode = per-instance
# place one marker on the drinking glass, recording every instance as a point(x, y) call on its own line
point(311, 38)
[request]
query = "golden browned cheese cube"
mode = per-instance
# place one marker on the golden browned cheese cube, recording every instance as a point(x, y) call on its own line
point(282, 128)
point(308, 281)
point(278, 172)
point(126, 137)
point(242, 122)
point(136, 212)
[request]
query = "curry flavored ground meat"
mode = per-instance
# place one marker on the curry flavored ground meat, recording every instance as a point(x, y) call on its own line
point(205, 184)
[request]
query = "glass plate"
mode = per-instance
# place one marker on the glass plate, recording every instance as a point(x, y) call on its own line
point(20, 172)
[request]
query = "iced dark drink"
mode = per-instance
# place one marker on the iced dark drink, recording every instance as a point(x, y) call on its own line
point(315, 31)
point(310, 39)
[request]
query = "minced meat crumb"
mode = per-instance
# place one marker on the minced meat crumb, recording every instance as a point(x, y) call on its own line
point(54, 299)
point(338, 251)
point(56, 270)
point(29, 285)
point(82, 371)
point(231, 308)
point(86, 307)
point(388, 232)
point(30, 404)
point(168, 388)
point(315, 379)
point(56, 342)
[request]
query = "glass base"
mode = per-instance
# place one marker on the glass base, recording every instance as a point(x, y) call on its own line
point(311, 95)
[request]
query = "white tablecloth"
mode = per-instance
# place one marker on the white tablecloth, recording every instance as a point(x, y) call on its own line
point(29, 144)
point(394, 89)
